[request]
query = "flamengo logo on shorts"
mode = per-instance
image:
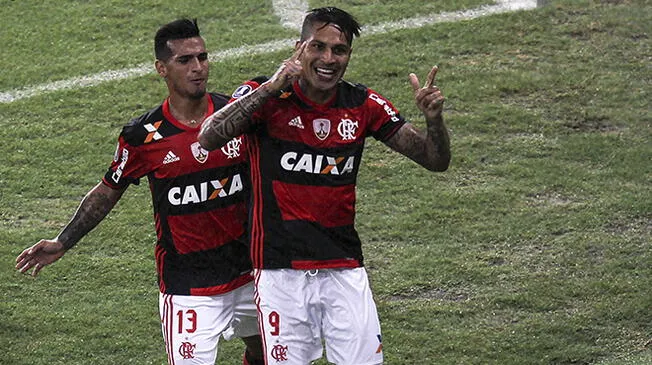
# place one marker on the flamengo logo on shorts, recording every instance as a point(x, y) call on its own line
point(382, 102)
point(187, 350)
point(279, 353)
point(317, 164)
point(194, 194)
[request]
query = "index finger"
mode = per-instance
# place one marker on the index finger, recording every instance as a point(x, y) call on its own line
point(299, 51)
point(431, 76)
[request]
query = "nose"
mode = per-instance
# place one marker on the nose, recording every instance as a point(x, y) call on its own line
point(196, 64)
point(327, 55)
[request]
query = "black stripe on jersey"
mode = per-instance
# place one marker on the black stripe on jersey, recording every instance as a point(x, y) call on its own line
point(204, 268)
point(298, 163)
point(350, 95)
point(201, 191)
point(307, 241)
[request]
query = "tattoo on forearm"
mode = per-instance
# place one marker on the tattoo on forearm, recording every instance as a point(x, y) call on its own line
point(92, 209)
point(232, 120)
point(430, 149)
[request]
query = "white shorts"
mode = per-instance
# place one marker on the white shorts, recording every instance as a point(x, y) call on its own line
point(300, 308)
point(192, 325)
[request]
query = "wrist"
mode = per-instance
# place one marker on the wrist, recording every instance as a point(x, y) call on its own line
point(267, 90)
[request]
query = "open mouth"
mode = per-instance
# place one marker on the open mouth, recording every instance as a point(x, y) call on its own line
point(325, 73)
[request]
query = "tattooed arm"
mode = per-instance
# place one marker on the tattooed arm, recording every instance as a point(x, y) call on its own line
point(97, 203)
point(432, 148)
point(234, 118)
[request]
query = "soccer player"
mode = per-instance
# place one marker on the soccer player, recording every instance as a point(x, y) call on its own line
point(199, 200)
point(305, 130)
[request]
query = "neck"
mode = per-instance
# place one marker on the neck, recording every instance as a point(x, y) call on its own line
point(188, 111)
point(315, 95)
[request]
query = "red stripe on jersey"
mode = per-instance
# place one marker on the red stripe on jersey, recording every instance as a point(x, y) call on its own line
point(257, 230)
point(224, 288)
point(206, 230)
point(304, 202)
point(324, 264)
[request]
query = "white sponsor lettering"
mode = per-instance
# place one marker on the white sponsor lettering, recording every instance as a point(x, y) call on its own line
point(118, 171)
point(208, 190)
point(391, 112)
point(317, 164)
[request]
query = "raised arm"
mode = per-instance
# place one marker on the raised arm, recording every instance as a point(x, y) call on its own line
point(234, 118)
point(97, 203)
point(429, 148)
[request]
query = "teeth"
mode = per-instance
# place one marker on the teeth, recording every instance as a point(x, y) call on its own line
point(325, 71)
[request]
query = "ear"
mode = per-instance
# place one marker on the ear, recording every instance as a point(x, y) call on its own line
point(160, 68)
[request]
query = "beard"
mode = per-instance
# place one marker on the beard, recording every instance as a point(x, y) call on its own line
point(197, 95)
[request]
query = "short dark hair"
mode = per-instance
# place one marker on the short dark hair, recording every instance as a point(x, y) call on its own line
point(331, 15)
point(178, 29)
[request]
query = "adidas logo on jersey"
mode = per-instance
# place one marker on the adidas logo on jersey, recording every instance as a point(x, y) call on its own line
point(170, 157)
point(296, 122)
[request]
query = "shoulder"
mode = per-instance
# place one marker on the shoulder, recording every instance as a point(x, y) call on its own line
point(351, 95)
point(143, 127)
point(219, 99)
point(248, 86)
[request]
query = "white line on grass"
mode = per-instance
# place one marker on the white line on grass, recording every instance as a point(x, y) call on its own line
point(502, 6)
point(291, 12)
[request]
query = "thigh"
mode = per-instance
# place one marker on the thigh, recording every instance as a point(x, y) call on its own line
point(245, 314)
point(288, 316)
point(350, 321)
point(192, 326)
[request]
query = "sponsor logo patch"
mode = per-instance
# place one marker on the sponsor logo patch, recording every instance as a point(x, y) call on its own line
point(170, 157)
point(153, 134)
point(241, 91)
point(205, 191)
point(322, 128)
point(200, 154)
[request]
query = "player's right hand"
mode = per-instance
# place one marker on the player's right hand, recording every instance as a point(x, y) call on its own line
point(288, 72)
point(43, 253)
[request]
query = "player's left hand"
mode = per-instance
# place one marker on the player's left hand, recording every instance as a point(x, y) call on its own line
point(429, 98)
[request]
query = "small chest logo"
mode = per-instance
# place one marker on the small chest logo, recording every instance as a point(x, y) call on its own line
point(187, 350)
point(200, 154)
point(347, 129)
point(279, 353)
point(152, 129)
point(322, 128)
point(232, 149)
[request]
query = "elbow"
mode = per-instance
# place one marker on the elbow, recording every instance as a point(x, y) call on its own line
point(439, 165)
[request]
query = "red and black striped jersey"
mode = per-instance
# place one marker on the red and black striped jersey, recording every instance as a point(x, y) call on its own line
point(304, 165)
point(199, 200)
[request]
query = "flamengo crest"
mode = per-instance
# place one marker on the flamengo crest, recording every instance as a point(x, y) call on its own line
point(200, 154)
point(347, 129)
point(321, 127)
point(232, 148)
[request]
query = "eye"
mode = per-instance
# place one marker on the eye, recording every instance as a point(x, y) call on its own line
point(340, 51)
point(183, 59)
point(202, 57)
